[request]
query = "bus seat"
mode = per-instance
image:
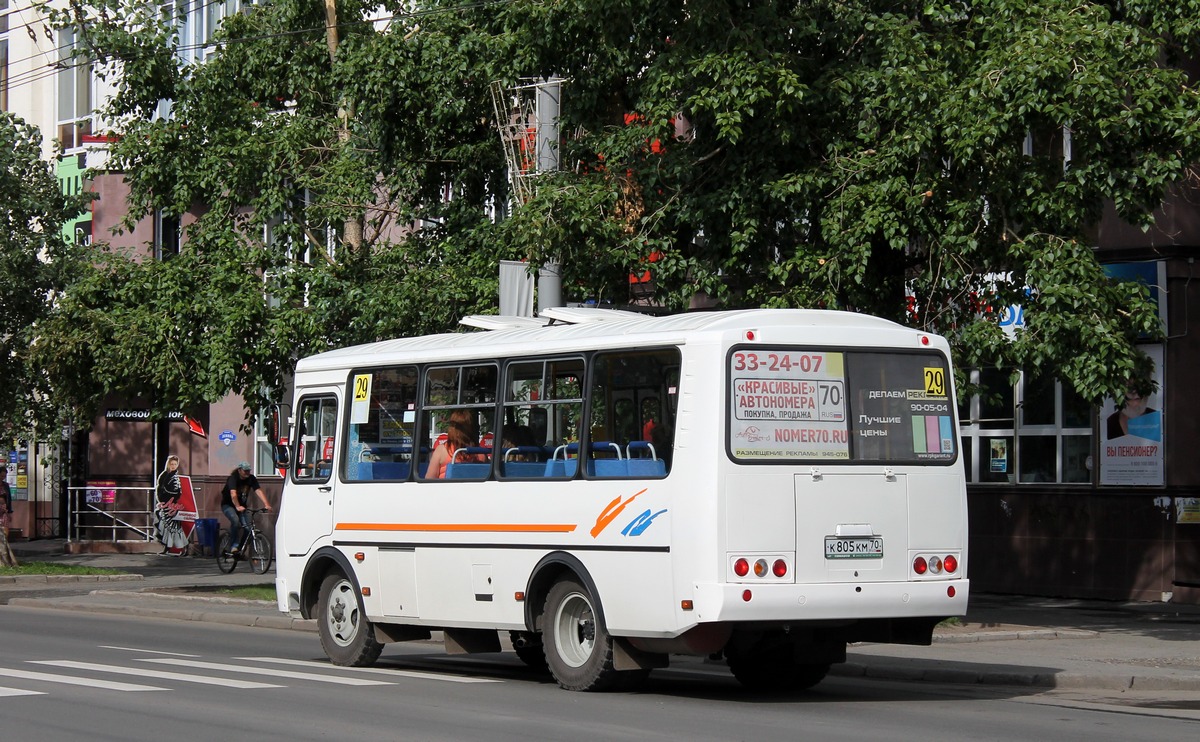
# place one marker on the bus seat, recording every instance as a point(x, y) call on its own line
point(608, 468)
point(524, 469)
point(467, 471)
point(389, 470)
point(646, 468)
point(640, 447)
point(561, 467)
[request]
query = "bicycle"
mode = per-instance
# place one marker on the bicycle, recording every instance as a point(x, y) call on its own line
point(255, 547)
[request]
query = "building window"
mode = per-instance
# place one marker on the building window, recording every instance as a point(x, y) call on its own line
point(166, 235)
point(264, 462)
point(1035, 431)
point(74, 94)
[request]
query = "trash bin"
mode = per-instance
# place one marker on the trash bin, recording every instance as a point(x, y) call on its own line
point(206, 535)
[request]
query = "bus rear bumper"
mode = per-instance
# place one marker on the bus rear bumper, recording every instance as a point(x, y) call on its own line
point(830, 602)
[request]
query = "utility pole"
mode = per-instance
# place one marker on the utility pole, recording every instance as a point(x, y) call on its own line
point(352, 228)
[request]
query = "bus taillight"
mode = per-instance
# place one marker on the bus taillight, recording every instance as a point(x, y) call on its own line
point(920, 566)
point(950, 563)
point(779, 568)
point(741, 567)
point(760, 568)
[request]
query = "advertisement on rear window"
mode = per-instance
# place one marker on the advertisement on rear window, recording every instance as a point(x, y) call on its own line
point(788, 404)
point(806, 404)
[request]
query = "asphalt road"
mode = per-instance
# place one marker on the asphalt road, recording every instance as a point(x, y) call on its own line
point(69, 675)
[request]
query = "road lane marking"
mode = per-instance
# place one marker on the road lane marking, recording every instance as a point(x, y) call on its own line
point(147, 651)
point(161, 674)
point(264, 671)
point(6, 692)
point(377, 670)
point(72, 680)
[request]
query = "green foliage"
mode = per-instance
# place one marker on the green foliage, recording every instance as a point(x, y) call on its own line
point(35, 264)
point(769, 153)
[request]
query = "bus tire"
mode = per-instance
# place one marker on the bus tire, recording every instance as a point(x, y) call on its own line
point(579, 650)
point(346, 634)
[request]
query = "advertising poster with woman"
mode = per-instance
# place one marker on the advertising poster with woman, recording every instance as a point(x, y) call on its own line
point(1131, 433)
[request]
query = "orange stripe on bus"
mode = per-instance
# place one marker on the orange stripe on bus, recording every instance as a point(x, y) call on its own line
point(472, 527)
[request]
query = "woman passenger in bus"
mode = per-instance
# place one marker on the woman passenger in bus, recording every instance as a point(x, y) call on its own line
point(461, 432)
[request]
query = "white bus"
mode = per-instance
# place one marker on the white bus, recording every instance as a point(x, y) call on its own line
point(764, 485)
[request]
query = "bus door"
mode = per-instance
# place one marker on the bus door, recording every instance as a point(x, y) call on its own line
point(311, 488)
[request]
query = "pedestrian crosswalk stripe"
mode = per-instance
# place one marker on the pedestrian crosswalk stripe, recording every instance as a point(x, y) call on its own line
point(379, 670)
point(6, 692)
point(263, 671)
point(147, 651)
point(160, 674)
point(72, 680)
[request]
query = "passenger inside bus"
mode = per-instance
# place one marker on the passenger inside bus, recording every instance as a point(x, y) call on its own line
point(462, 435)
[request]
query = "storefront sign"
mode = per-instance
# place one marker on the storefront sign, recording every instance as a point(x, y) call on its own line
point(139, 415)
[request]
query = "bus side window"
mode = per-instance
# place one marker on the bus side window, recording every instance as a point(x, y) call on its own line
point(458, 422)
point(543, 408)
point(318, 425)
point(380, 440)
point(631, 437)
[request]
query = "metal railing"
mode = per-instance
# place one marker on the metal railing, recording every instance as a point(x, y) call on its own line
point(106, 513)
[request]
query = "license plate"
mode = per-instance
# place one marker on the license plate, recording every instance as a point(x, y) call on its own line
point(854, 548)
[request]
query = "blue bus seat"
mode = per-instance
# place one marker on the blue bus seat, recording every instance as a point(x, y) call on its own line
point(646, 468)
point(608, 468)
point(389, 470)
point(561, 467)
point(523, 469)
point(467, 471)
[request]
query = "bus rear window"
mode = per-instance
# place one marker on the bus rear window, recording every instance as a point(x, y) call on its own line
point(789, 404)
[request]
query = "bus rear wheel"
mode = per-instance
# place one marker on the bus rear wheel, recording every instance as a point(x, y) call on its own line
point(579, 650)
point(346, 634)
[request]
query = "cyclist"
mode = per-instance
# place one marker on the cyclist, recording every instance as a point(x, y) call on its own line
point(234, 498)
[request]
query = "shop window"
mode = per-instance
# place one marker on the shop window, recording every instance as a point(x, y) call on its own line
point(1033, 431)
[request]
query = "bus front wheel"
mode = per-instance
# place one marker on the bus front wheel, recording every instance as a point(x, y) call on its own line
point(346, 634)
point(579, 650)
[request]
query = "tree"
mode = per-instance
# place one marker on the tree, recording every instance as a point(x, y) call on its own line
point(857, 155)
point(874, 157)
point(35, 264)
point(264, 145)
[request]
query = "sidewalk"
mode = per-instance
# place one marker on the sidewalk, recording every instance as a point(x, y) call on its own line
point(1004, 640)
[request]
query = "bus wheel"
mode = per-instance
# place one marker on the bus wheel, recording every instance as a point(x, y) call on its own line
point(764, 673)
point(346, 635)
point(579, 650)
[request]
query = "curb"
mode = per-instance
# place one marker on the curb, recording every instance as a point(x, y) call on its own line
point(993, 636)
point(235, 619)
point(62, 579)
point(1056, 681)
